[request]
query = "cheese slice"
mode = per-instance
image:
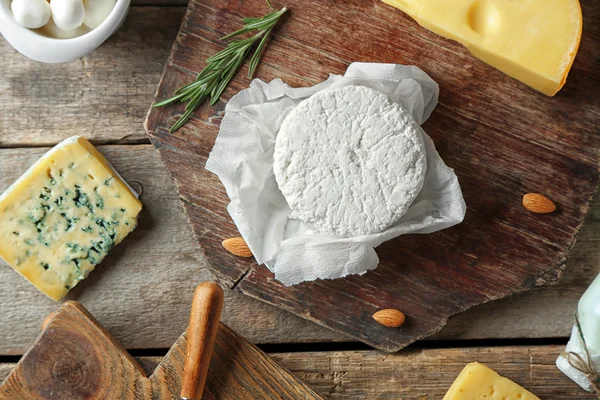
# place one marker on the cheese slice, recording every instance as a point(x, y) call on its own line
point(60, 219)
point(534, 41)
point(476, 381)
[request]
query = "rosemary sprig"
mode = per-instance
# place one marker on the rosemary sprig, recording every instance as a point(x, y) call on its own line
point(222, 67)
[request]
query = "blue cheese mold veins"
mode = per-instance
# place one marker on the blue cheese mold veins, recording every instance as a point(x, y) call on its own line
point(62, 217)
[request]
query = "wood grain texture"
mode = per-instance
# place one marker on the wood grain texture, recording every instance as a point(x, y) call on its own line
point(205, 317)
point(501, 319)
point(415, 374)
point(502, 138)
point(75, 358)
point(426, 374)
point(142, 290)
point(103, 96)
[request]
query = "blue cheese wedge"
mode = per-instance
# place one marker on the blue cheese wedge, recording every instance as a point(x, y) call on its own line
point(61, 218)
point(349, 161)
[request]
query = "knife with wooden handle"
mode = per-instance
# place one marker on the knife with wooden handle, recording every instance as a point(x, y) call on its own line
point(204, 325)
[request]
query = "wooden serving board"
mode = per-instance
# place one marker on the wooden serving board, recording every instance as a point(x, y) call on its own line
point(75, 358)
point(502, 138)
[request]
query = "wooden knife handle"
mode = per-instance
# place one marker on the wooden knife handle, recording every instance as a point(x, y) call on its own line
point(204, 324)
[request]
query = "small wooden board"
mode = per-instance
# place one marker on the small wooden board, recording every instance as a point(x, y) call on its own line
point(502, 138)
point(75, 358)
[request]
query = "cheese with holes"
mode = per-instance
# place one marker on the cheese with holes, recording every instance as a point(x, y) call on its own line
point(534, 41)
point(60, 219)
point(349, 161)
point(476, 381)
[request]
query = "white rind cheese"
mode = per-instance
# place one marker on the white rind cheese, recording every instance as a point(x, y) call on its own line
point(349, 161)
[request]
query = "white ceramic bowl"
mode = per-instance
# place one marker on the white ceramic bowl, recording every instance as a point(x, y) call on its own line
point(44, 49)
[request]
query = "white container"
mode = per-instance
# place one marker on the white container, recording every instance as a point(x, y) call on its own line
point(49, 50)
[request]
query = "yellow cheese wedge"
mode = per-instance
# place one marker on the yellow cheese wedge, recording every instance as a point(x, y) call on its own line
point(476, 381)
point(60, 219)
point(534, 41)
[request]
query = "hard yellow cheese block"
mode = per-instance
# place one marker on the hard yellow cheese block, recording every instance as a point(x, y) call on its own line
point(534, 41)
point(60, 219)
point(476, 381)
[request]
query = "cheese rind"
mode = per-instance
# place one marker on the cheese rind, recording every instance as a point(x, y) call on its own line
point(60, 218)
point(476, 381)
point(534, 41)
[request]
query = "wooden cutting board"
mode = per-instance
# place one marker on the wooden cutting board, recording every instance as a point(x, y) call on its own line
point(75, 358)
point(502, 138)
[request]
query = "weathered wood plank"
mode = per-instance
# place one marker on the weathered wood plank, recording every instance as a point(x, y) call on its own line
point(5, 369)
point(138, 47)
point(141, 293)
point(74, 357)
point(143, 290)
point(104, 95)
point(427, 374)
point(415, 374)
point(548, 310)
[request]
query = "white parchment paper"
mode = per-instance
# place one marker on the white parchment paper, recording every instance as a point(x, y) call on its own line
point(243, 159)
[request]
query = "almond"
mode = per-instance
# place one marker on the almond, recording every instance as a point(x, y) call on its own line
point(537, 203)
point(237, 246)
point(389, 317)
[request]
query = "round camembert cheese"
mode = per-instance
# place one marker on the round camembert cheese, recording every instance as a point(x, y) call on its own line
point(349, 161)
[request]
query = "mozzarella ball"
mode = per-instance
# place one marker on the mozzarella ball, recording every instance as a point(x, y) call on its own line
point(97, 11)
point(53, 31)
point(31, 14)
point(67, 14)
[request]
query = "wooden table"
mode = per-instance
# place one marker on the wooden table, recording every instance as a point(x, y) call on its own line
point(141, 293)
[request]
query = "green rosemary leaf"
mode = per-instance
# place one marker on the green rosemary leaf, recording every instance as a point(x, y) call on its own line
point(222, 67)
point(233, 47)
point(193, 104)
point(258, 23)
point(258, 53)
point(249, 20)
point(182, 120)
point(190, 87)
point(218, 91)
point(205, 79)
point(192, 94)
point(167, 101)
point(236, 33)
point(267, 19)
point(209, 68)
point(223, 55)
